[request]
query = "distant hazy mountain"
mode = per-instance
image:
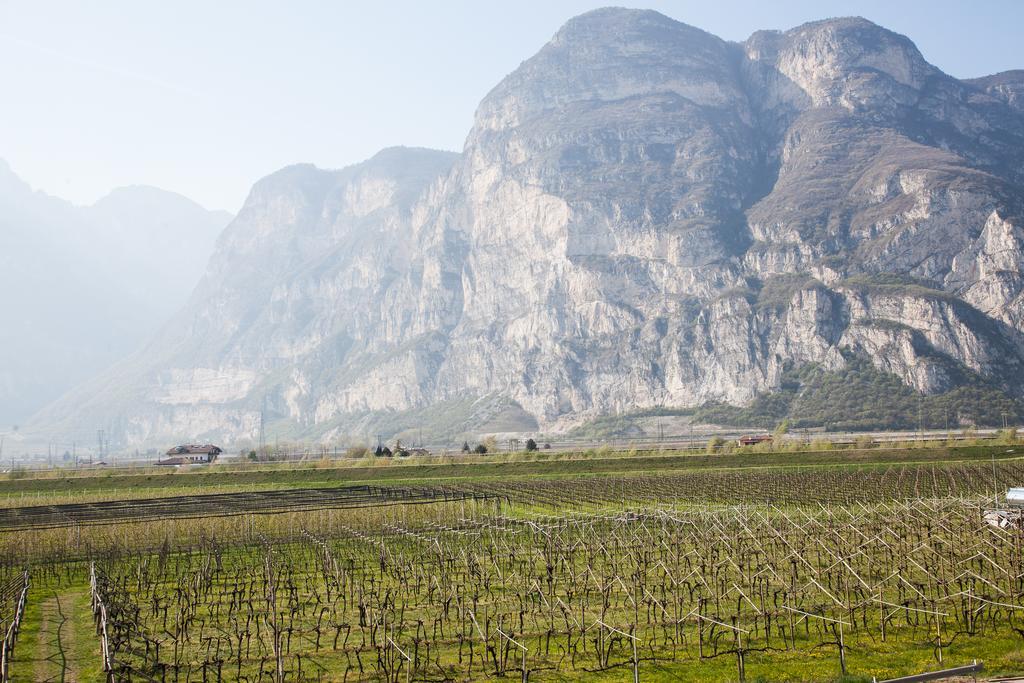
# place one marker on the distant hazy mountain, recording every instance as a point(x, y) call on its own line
point(81, 287)
point(643, 215)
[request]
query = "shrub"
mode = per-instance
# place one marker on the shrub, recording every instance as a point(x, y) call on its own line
point(481, 449)
point(715, 443)
point(859, 397)
point(531, 445)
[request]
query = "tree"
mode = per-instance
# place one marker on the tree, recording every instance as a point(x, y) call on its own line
point(715, 443)
point(531, 445)
point(386, 452)
point(481, 449)
point(465, 447)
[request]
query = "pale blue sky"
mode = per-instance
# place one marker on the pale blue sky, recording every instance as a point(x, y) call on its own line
point(204, 98)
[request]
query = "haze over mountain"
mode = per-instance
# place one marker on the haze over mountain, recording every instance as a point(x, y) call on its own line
point(84, 286)
point(642, 215)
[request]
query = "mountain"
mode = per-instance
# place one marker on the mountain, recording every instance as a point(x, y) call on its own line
point(84, 286)
point(643, 215)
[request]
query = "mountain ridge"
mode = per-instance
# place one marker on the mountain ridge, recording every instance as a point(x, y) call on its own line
point(84, 281)
point(621, 200)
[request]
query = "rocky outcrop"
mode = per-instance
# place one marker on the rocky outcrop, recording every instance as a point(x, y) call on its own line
point(643, 214)
point(1007, 87)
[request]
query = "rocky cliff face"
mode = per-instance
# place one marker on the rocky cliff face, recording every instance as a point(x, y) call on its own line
point(643, 214)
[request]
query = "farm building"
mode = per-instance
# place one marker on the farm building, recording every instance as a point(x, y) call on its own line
point(752, 439)
point(189, 454)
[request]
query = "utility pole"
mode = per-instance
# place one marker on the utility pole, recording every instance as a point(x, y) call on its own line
point(263, 403)
point(99, 438)
point(920, 414)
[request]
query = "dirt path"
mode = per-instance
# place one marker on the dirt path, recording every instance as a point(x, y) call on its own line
point(46, 639)
point(63, 640)
point(58, 643)
point(51, 656)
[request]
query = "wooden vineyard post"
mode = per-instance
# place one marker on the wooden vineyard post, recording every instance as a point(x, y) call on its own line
point(881, 614)
point(521, 647)
point(636, 661)
point(840, 622)
point(483, 639)
point(842, 649)
point(408, 659)
point(740, 664)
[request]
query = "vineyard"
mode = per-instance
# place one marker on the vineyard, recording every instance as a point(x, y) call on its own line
point(13, 593)
point(773, 574)
point(225, 504)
